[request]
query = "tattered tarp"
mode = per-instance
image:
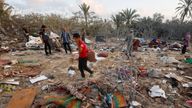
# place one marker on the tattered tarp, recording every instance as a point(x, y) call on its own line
point(118, 100)
point(63, 101)
point(188, 60)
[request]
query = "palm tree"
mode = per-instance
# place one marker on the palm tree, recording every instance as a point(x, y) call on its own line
point(184, 9)
point(117, 19)
point(129, 15)
point(85, 9)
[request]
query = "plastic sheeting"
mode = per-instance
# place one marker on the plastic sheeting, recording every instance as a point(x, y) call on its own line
point(156, 91)
point(34, 42)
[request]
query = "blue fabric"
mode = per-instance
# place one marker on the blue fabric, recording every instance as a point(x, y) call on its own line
point(65, 36)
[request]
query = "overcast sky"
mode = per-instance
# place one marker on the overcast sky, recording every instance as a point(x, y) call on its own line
point(103, 8)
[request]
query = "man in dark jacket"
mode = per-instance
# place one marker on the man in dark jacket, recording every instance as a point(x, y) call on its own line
point(26, 34)
point(45, 38)
point(66, 40)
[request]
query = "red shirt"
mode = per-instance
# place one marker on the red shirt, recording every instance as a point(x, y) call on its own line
point(84, 50)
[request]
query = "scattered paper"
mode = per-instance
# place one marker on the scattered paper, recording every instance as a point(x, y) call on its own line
point(187, 85)
point(100, 58)
point(135, 103)
point(7, 66)
point(37, 79)
point(10, 81)
point(156, 91)
point(71, 73)
point(173, 75)
point(168, 60)
point(45, 87)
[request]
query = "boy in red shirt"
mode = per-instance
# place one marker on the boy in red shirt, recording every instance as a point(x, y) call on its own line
point(82, 55)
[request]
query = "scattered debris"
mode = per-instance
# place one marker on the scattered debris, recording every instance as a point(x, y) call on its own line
point(10, 81)
point(156, 91)
point(45, 87)
point(173, 75)
point(169, 60)
point(188, 60)
point(4, 62)
point(117, 82)
point(71, 72)
point(154, 73)
point(22, 98)
point(34, 42)
point(37, 79)
point(103, 54)
point(134, 104)
point(189, 102)
point(187, 85)
point(7, 67)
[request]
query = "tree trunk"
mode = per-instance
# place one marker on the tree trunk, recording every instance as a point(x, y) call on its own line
point(86, 23)
point(183, 18)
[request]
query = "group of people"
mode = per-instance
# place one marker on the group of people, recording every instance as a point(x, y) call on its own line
point(83, 49)
point(156, 42)
point(65, 36)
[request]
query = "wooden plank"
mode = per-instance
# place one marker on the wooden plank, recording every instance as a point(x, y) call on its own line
point(23, 98)
point(188, 77)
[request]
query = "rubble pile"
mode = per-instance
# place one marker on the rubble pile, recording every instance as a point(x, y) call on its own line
point(151, 78)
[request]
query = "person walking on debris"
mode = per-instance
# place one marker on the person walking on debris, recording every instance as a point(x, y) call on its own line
point(45, 38)
point(129, 41)
point(66, 40)
point(82, 55)
point(26, 34)
point(186, 43)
